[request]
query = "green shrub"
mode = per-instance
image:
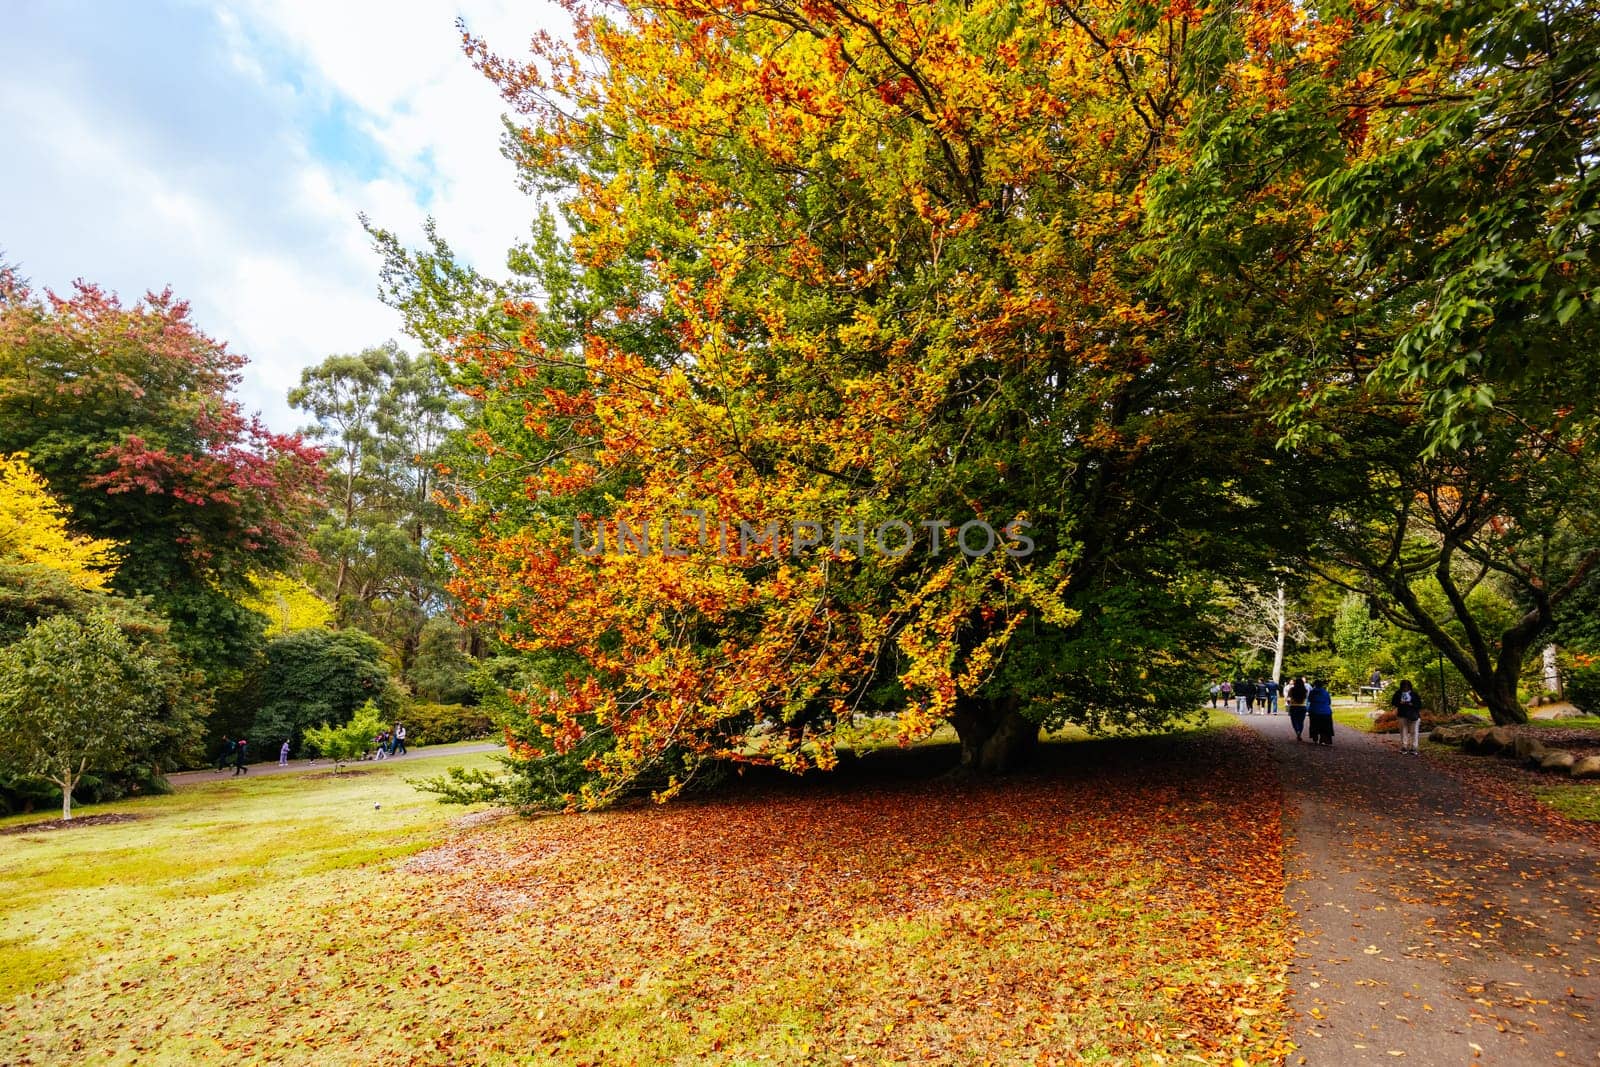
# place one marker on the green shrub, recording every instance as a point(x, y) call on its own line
point(349, 741)
point(318, 676)
point(1583, 687)
point(441, 724)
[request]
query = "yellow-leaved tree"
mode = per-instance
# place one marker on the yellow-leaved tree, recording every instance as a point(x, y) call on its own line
point(289, 603)
point(35, 528)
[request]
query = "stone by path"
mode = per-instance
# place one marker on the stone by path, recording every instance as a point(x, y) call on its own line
point(1434, 928)
point(185, 779)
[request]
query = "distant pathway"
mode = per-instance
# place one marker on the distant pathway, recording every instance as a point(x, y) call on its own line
point(1434, 928)
point(184, 779)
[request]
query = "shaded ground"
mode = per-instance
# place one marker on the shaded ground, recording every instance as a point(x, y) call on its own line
point(1441, 919)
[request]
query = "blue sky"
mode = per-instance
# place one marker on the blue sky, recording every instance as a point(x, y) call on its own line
point(227, 150)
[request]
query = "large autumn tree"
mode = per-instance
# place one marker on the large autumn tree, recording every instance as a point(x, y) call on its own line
point(851, 264)
point(125, 411)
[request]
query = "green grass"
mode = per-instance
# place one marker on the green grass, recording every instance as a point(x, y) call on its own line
point(198, 867)
point(1589, 722)
point(1578, 800)
point(1357, 718)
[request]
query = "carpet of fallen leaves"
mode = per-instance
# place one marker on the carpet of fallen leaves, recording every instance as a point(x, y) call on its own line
point(1122, 904)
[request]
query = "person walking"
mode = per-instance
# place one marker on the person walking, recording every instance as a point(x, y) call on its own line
point(1227, 695)
point(398, 747)
point(1408, 710)
point(238, 760)
point(1241, 696)
point(225, 757)
point(1297, 705)
point(283, 754)
point(1269, 694)
point(1215, 689)
point(1319, 709)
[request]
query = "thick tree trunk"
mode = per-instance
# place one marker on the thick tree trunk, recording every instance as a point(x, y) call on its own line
point(1499, 693)
point(995, 737)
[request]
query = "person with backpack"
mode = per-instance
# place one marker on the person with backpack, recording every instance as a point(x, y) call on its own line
point(225, 757)
point(1319, 709)
point(1297, 705)
point(238, 760)
point(1269, 695)
point(1408, 710)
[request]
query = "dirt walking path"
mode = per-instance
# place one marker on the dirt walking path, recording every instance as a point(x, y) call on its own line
point(189, 778)
point(1434, 926)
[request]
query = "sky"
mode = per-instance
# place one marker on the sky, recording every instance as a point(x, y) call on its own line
point(227, 150)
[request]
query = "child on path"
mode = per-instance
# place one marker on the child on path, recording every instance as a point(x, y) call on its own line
point(1319, 708)
point(1408, 709)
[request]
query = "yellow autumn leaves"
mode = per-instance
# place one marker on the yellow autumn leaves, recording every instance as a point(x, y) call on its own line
point(34, 529)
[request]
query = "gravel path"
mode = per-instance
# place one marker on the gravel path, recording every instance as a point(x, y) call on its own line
point(188, 778)
point(1435, 927)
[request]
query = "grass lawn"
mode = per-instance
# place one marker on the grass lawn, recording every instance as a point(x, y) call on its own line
point(1575, 800)
point(1123, 903)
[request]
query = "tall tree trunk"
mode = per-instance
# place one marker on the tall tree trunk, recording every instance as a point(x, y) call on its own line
point(1283, 630)
point(995, 737)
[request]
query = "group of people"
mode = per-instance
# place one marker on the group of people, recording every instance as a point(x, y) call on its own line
point(389, 743)
point(233, 754)
point(1312, 706)
point(1245, 694)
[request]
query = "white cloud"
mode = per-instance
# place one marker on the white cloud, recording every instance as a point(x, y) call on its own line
point(229, 155)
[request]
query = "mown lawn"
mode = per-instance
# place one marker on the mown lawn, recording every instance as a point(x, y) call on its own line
point(1121, 904)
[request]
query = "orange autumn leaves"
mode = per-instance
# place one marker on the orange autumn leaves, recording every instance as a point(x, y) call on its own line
point(1126, 904)
point(860, 263)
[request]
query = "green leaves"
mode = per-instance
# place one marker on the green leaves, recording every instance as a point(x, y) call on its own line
point(75, 695)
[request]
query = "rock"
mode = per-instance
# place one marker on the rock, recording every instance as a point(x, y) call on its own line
point(1587, 767)
point(1478, 740)
point(1557, 760)
point(1500, 739)
point(1569, 713)
point(1528, 748)
point(1451, 735)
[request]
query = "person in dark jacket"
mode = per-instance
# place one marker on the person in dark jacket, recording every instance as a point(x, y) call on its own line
point(1408, 709)
point(1297, 705)
point(225, 757)
point(238, 760)
point(1319, 709)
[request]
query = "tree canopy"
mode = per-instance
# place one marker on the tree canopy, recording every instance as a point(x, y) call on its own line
point(125, 412)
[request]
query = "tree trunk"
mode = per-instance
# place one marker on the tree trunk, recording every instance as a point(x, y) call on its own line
point(1500, 696)
point(995, 737)
point(1283, 630)
point(66, 782)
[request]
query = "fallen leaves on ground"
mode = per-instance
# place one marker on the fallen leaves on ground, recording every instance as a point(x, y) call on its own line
point(1124, 904)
